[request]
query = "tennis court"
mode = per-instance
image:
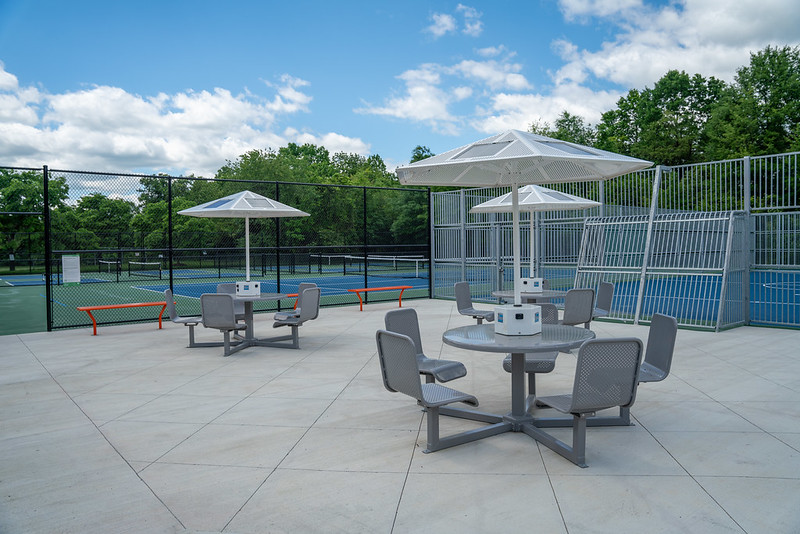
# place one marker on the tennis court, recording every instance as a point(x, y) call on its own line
point(774, 297)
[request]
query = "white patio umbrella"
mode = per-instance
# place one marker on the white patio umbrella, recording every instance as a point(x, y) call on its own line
point(534, 198)
point(517, 158)
point(247, 205)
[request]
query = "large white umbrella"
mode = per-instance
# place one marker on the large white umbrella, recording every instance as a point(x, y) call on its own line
point(517, 158)
point(534, 198)
point(247, 205)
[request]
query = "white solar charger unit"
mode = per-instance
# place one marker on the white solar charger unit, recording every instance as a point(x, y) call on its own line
point(532, 285)
point(518, 319)
point(248, 289)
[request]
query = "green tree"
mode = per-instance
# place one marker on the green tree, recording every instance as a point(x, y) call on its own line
point(23, 191)
point(665, 124)
point(760, 113)
point(567, 127)
point(421, 152)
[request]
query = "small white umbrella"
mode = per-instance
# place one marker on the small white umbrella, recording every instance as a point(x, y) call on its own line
point(247, 205)
point(516, 158)
point(535, 198)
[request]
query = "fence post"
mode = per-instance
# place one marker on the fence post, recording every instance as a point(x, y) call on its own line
point(169, 229)
point(431, 270)
point(462, 213)
point(48, 250)
point(660, 169)
point(748, 238)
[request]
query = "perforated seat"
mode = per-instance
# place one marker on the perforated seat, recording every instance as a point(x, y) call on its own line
point(218, 312)
point(230, 289)
point(283, 315)
point(404, 321)
point(606, 375)
point(400, 371)
point(605, 294)
point(191, 322)
point(578, 307)
point(309, 310)
point(465, 307)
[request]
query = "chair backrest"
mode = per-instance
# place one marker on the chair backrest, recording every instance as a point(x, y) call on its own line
point(399, 363)
point(300, 288)
point(217, 310)
point(605, 293)
point(549, 313)
point(578, 306)
point(606, 374)
point(661, 342)
point(404, 321)
point(173, 313)
point(463, 297)
point(230, 289)
point(309, 304)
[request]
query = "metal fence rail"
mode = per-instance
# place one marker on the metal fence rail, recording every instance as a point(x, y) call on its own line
point(720, 237)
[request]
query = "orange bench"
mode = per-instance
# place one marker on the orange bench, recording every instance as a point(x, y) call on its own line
point(390, 288)
point(90, 309)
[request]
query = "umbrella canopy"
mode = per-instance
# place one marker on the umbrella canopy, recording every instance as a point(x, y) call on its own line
point(534, 198)
point(246, 205)
point(516, 158)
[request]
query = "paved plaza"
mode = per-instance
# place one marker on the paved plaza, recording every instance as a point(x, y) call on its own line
point(130, 431)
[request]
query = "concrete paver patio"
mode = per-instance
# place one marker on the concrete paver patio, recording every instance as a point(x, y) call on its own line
point(131, 431)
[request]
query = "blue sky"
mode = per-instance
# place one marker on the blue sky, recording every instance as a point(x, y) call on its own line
point(183, 86)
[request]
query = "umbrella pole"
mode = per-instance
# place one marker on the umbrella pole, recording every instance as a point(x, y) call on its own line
point(515, 238)
point(534, 253)
point(247, 247)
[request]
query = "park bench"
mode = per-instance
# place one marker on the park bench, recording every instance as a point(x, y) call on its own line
point(90, 309)
point(388, 288)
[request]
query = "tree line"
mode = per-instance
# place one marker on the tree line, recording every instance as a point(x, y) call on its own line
point(692, 119)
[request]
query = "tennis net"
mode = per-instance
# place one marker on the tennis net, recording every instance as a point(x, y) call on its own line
point(144, 269)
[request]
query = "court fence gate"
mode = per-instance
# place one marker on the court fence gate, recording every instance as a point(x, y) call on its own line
point(715, 244)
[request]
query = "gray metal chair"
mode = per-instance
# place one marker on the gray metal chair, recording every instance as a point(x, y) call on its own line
point(218, 312)
point(191, 322)
point(230, 289)
point(309, 310)
point(464, 304)
point(540, 363)
point(605, 294)
point(606, 376)
point(404, 321)
point(283, 315)
point(578, 307)
point(400, 370)
point(657, 356)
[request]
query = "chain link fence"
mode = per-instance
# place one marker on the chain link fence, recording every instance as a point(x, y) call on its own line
point(118, 238)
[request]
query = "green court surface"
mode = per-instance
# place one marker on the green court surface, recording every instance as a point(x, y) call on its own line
point(22, 309)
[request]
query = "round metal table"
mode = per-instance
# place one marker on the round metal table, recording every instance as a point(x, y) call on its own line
point(483, 338)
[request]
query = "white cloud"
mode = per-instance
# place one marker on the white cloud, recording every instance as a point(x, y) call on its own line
point(496, 75)
point(442, 24)
point(473, 26)
point(430, 91)
point(8, 82)
point(518, 111)
point(710, 37)
point(108, 129)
